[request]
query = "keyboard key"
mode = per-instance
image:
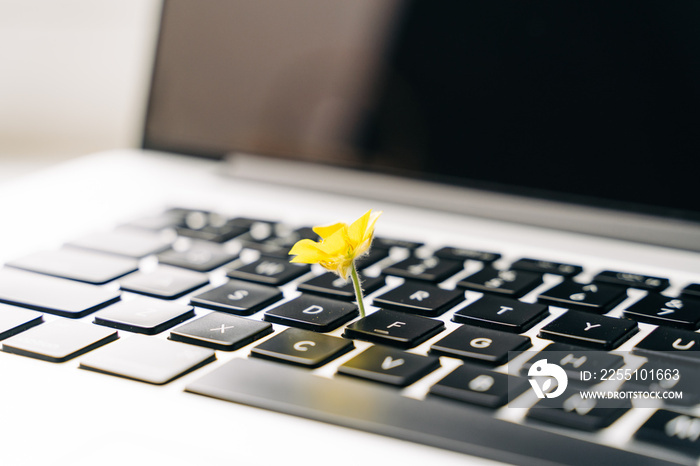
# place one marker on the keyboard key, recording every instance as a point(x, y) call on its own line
point(238, 297)
point(676, 376)
point(433, 421)
point(431, 269)
point(632, 280)
point(388, 243)
point(675, 431)
point(148, 359)
point(589, 330)
point(302, 347)
point(159, 222)
point(143, 315)
point(268, 271)
point(200, 256)
point(540, 266)
point(332, 286)
point(53, 295)
point(59, 340)
point(372, 257)
point(210, 226)
point(662, 310)
point(221, 331)
point(389, 366)
point(504, 282)
point(691, 291)
point(593, 297)
point(474, 384)
point(125, 242)
point(280, 241)
point(480, 345)
point(14, 320)
point(671, 342)
point(313, 313)
point(501, 313)
point(578, 413)
point(419, 298)
point(394, 328)
point(459, 254)
point(164, 282)
point(575, 360)
point(75, 264)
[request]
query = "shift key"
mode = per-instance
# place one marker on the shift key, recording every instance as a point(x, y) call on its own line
point(53, 295)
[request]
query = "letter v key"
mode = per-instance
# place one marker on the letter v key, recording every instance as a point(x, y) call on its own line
point(390, 363)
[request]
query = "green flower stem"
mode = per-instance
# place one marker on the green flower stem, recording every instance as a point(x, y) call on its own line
point(358, 289)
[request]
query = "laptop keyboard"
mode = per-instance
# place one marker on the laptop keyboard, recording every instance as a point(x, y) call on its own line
point(441, 357)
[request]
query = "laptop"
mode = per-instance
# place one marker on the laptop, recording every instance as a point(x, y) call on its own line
point(533, 288)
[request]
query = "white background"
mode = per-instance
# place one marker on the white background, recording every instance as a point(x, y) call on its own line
point(73, 78)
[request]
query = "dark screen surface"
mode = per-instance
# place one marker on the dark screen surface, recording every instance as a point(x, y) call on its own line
point(594, 102)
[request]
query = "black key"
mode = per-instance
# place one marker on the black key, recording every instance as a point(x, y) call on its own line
point(372, 257)
point(388, 243)
point(433, 421)
point(59, 340)
point(394, 328)
point(575, 360)
point(675, 431)
point(313, 313)
point(589, 330)
point(419, 298)
point(474, 384)
point(124, 242)
point(691, 291)
point(662, 310)
point(14, 320)
point(53, 295)
point(332, 286)
point(200, 256)
point(302, 347)
point(670, 342)
point(540, 266)
point(238, 297)
point(664, 375)
point(164, 282)
point(431, 269)
point(460, 254)
point(593, 297)
point(221, 331)
point(278, 240)
point(504, 282)
point(268, 271)
point(481, 345)
point(632, 280)
point(148, 359)
point(389, 366)
point(576, 412)
point(143, 315)
point(501, 314)
point(74, 264)
point(209, 226)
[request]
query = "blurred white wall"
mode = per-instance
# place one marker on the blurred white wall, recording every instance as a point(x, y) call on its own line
point(73, 76)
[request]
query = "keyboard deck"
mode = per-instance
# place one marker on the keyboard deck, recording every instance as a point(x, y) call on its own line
point(442, 358)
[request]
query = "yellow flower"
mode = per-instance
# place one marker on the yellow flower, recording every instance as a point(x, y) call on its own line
point(340, 245)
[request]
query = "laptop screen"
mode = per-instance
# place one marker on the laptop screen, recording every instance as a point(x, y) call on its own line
point(592, 102)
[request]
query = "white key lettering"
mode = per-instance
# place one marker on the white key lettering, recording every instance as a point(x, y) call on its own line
point(315, 309)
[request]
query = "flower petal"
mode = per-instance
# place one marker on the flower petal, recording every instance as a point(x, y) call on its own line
point(327, 230)
point(356, 231)
point(369, 232)
point(307, 252)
